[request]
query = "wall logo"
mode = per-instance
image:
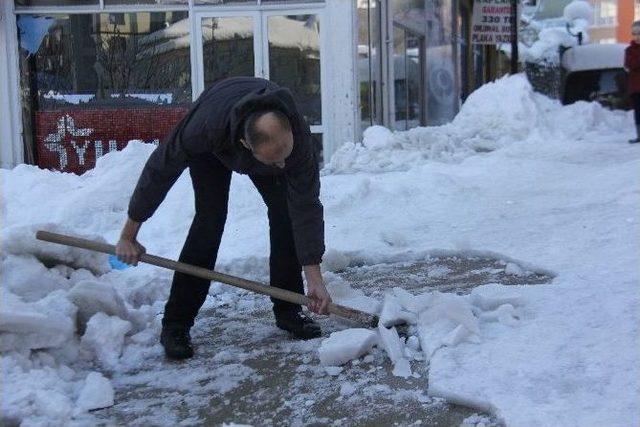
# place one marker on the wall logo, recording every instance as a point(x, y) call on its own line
point(54, 141)
point(72, 141)
point(67, 131)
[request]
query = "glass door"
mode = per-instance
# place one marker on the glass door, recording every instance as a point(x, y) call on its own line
point(408, 66)
point(227, 45)
point(291, 57)
point(283, 46)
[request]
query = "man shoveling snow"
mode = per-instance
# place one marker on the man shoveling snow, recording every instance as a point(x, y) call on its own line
point(250, 126)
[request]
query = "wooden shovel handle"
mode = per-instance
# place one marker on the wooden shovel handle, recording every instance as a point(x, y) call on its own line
point(257, 287)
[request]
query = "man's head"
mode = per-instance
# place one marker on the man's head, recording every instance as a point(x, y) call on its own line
point(635, 31)
point(268, 135)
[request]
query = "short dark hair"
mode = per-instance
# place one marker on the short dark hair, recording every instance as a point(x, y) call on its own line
point(251, 133)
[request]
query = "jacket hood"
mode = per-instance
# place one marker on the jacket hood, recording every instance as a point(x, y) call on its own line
point(267, 98)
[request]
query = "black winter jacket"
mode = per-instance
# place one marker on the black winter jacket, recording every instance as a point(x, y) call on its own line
point(214, 125)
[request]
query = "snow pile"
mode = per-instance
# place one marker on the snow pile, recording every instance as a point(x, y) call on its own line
point(21, 241)
point(495, 116)
point(507, 115)
point(46, 323)
point(47, 392)
point(63, 309)
point(93, 297)
point(578, 10)
point(578, 16)
point(104, 337)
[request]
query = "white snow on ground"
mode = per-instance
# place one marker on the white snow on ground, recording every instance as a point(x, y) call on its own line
point(516, 176)
point(346, 345)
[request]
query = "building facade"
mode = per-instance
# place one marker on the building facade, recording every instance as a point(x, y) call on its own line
point(82, 78)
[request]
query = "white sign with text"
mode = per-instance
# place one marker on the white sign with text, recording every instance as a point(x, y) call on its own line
point(491, 22)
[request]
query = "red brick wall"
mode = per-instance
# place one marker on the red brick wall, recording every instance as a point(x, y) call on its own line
point(71, 140)
point(626, 15)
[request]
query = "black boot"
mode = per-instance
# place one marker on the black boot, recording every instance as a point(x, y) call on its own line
point(176, 342)
point(297, 324)
point(637, 139)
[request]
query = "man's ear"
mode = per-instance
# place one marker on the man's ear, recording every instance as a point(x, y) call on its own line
point(245, 144)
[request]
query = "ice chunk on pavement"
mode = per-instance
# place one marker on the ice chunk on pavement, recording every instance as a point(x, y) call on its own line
point(333, 370)
point(442, 332)
point(343, 293)
point(413, 303)
point(514, 269)
point(392, 313)
point(93, 297)
point(476, 420)
point(491, 303)
point(413, 343)
point(346, 345)
point(402, 368)
point(347, 389)
point(394, 347)
point(505, 314)
point(105, 338)
point(96, 393)
point(452, 307)
point(448, 322)
point(47, 323)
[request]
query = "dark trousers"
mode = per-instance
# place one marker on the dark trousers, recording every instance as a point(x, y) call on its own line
point(211, 181)
point(635, 99)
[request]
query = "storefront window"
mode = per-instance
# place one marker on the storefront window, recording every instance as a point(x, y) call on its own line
point(291, 1)
point(24, 3)
point(441, 85)
point(137, 2)
point(222, 2)
point(409, 27)
point(222, 39)
point(294, 60)
point(92, 82)
point(369, 63)
point(406, 63)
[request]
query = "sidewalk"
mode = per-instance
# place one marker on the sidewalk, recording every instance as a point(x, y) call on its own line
point(247, 371)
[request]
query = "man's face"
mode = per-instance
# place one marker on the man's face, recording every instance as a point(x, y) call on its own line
point(278, 148)
point(635, 32)
point(275, 152)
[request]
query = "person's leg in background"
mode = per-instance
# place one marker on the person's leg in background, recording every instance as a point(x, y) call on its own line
point(635, 99)
point(211, 180)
